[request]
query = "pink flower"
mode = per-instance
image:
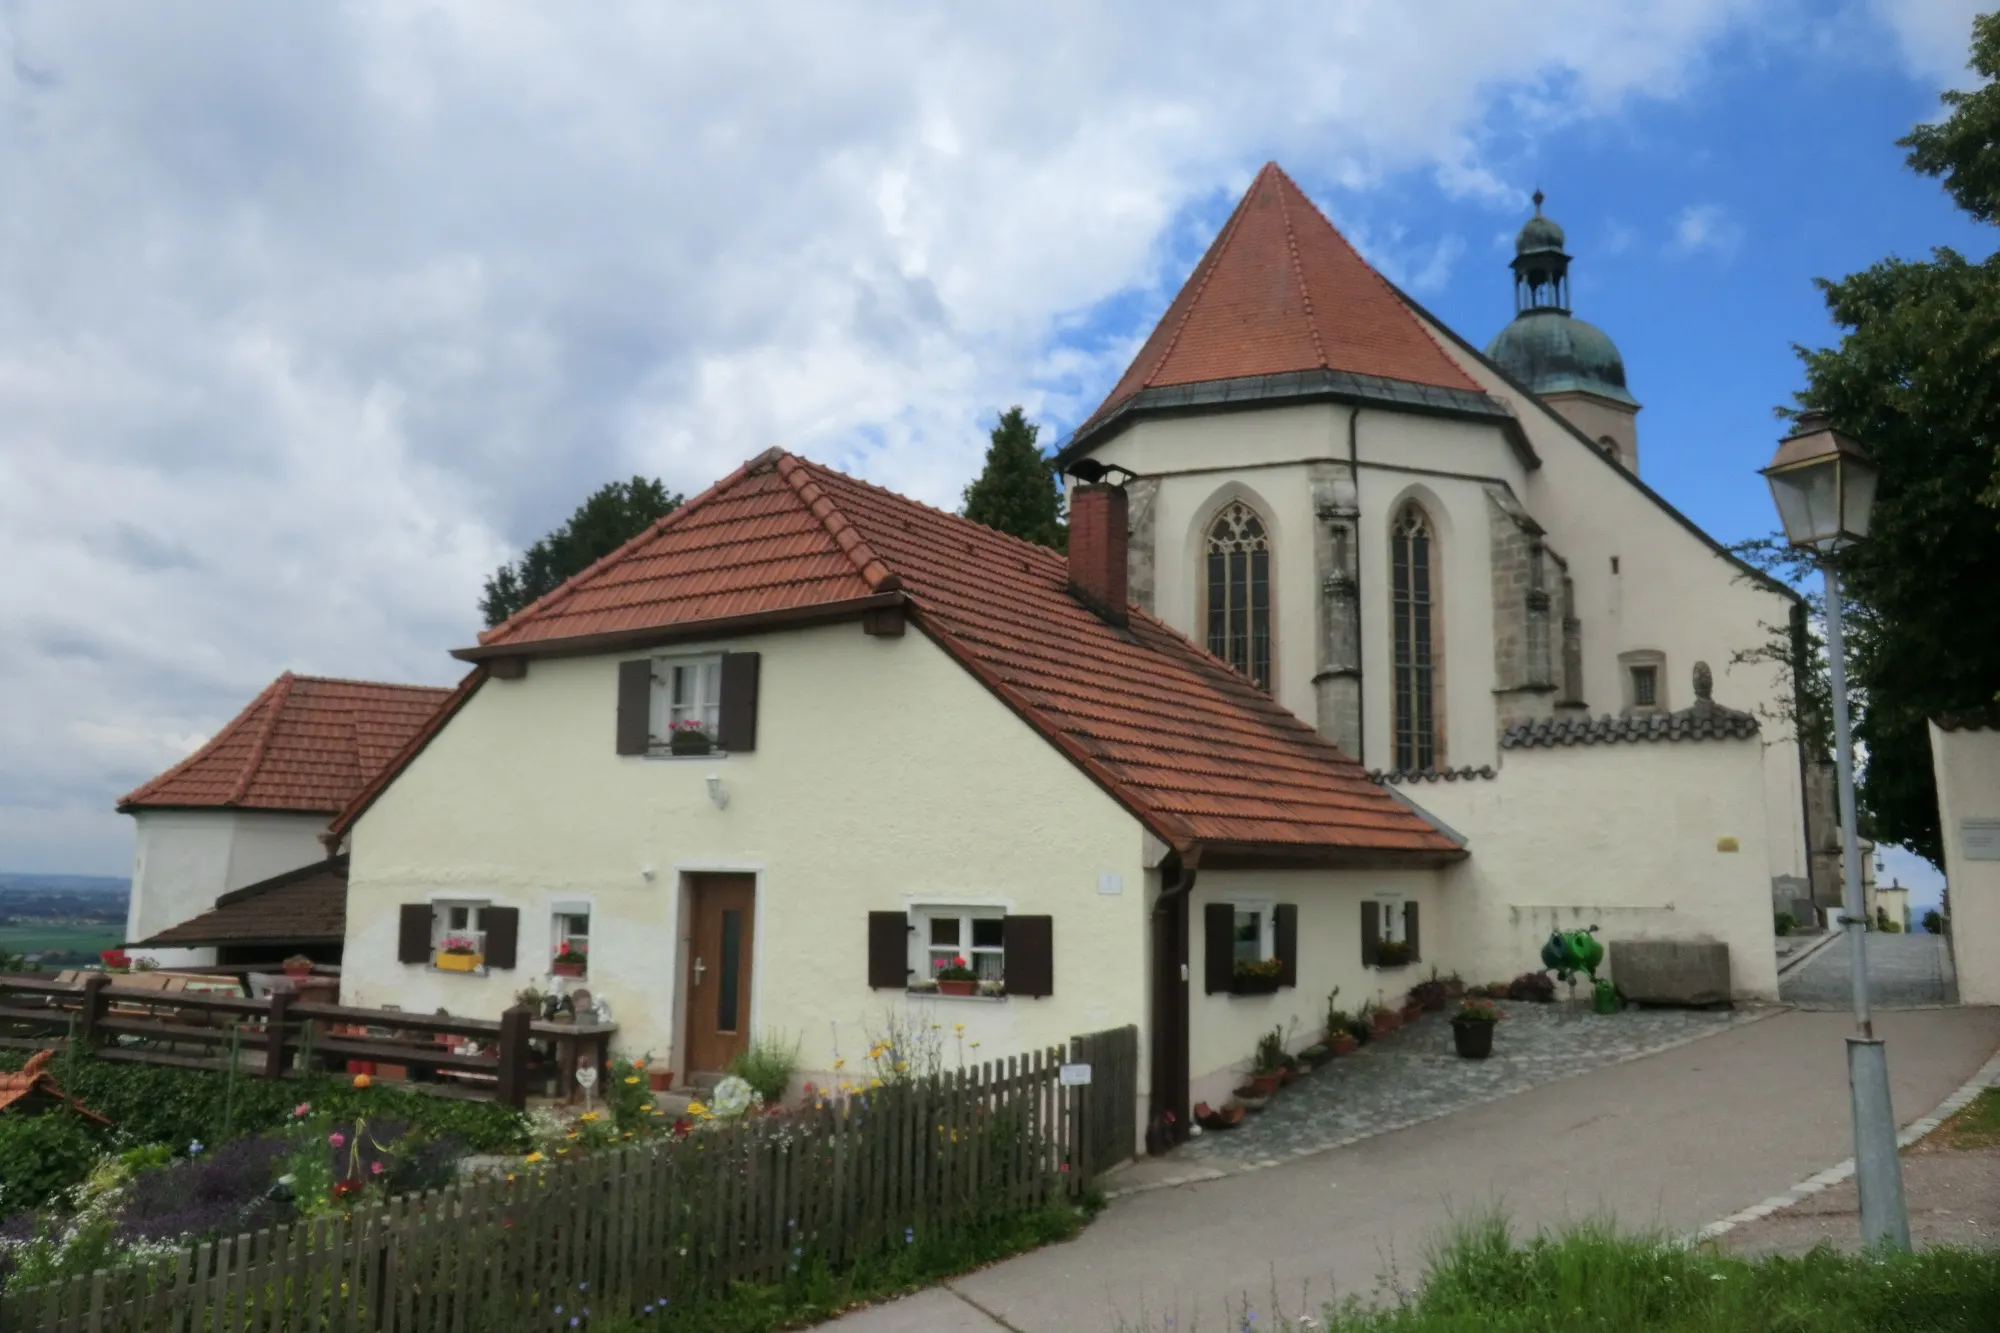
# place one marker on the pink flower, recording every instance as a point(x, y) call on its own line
point(337, 1139)
point(375, 1168)
point(302, 1110)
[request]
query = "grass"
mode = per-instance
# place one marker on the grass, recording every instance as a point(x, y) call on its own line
point(817, 1293)
point(1978, 1125)
point(86, 941)
point(1594, 1279)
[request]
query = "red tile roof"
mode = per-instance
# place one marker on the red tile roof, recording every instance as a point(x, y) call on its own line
point(306, 743)
point(1183, 741)
point(1281, 291)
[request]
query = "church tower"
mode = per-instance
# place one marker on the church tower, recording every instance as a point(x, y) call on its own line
point(1572, 365)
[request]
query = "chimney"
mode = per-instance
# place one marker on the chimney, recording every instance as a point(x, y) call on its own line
point(1097, 537)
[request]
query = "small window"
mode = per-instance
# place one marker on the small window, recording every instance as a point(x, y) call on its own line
point(687, 696)
point(458, 936)
point(1253, 932)
point(1395, 925)
point(570, 955)
point(1645, 681)
point(1645, 686)
point(976, 934)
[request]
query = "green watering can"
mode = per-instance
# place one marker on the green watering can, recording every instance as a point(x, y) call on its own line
point(1570, 952)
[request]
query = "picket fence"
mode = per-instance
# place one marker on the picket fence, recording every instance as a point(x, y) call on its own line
point(675, 1220)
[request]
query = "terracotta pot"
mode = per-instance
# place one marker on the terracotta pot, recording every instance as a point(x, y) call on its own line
point(1342, 1043)
point(660, 1080)
point(1387, 1020)
point(566, 969)
point(1411, 1012)
point(956, 987)
point(1263, 1085)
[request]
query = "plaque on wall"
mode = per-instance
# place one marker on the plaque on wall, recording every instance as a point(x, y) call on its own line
point(1980, 839)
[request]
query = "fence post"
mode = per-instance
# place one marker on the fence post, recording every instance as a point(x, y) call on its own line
point(513, 1073)
point(92, 1013)
point(274, 1034)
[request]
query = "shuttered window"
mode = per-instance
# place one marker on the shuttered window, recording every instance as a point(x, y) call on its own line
point(713, 696)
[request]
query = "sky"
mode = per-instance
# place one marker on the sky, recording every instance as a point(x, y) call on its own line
point(312, 315)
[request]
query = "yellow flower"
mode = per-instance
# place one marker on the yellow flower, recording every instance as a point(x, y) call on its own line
point(696, 1108)
point(589, 1115)
point(533, 1157)
point(874, 1082)
point(840, 1064)
point(958, 1027)
point(901, 1065)
point(632, 1081)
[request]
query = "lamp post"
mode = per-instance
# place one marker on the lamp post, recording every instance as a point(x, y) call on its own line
point(1824, 485)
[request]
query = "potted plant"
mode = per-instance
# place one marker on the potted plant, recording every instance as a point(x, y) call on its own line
point(1393, 953)
point(1381, 1019)
point(116, 960)
point(1433, 994)
point(1257, 976)
point(955, 977)
point(571, 960)
point(1412, 1009)
point(1454, 986)
point(1229, 1117)
point(298, 966)
point(1267, 1066)
point(688, 738)
point(458, 953)
point(1472, 1028)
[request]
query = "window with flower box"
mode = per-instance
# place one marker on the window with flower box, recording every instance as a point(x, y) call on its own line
point(1007, 953)
point(570, 947)
point(1250, 947)
point(458, 935)
point(697, 704)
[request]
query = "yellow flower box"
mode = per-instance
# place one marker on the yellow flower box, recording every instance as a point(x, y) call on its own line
point(458, 962)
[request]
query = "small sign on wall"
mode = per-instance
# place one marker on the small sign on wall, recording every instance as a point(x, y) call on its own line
point(1073, 1076)
point(1110, 883)
point(1727, 845)
point(1980, 839)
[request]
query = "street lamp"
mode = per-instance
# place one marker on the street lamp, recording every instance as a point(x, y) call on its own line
point(1824, 485)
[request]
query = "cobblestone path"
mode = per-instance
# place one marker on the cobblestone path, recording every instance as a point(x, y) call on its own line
point(1903, 971)
point(1414, 1075)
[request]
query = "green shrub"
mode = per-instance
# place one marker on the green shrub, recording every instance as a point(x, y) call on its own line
point(1785, 923)
point(767, 1066)
point(43, 1155)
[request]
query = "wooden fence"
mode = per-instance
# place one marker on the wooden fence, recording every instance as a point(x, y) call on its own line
point(675, 1220)
point(466, 1057)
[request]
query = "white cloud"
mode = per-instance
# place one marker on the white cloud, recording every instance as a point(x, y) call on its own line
point(1705, 229)
point(310, 314)
point(1934, 37)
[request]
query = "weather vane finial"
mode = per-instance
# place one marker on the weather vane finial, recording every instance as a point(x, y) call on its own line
point(1538, 201)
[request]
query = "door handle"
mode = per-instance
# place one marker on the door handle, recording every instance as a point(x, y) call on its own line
point(699, 968)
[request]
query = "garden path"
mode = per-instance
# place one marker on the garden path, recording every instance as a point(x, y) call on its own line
point(1903, 971)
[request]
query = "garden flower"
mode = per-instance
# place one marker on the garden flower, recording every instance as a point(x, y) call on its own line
point(337, 1139)
point(375, 1168)
point(589, 1115)
point(362, 1080)
point(533, 1157)
point(194, 1148)
point(302, 1110)
point(632, 1081)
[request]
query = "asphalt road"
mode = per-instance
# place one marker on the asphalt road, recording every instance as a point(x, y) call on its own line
point(1674, 1141)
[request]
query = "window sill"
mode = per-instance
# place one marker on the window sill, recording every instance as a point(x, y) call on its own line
point(1394, 967)
point(664, 756)
point(929, 994)
point(479, 971)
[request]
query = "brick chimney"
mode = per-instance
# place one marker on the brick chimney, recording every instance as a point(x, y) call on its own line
point(1097, 537)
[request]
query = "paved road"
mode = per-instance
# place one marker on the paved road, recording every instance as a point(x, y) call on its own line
point(1903, 970)
point(1674, 1140)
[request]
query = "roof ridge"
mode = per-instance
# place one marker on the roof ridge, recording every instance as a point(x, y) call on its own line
point(375, 684)
point(568, 588)
point(281, 691)
point(1298, 269)
point(897, 497)
point(872, 568)
point(1207, 270)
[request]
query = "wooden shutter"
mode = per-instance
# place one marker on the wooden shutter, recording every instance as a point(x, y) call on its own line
point(888, 950)
point(1030, 945)
point(737, 729)
point(1371, 932)
point(1219, 948)
point(413, 933)
point(503, 934)
point(635, 706)
point(1410, 929)
point(1285, 942)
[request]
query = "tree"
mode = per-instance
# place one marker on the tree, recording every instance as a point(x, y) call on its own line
point(1916, 378)
point(1017, 492)
point(616, 513)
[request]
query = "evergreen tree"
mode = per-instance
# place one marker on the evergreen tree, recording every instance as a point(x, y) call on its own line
point(1017, 492)
point(616, 513)
point(1914, 380)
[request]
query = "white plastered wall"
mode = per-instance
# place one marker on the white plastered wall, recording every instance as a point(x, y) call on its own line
point(1628, 837)
point(1223, 1029)
point(183, 860)
point(884, 775)
point(1967, 767)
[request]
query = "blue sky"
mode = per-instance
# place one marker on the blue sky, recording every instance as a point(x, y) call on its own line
point(310, 316)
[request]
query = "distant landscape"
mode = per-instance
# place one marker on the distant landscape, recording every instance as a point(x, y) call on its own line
point(59, 921)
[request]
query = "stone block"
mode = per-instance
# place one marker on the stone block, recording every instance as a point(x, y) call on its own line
point(1672, 971)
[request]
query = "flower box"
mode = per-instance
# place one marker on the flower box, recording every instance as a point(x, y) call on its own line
point(660, 1080)
point(1253, 984)
point(568, 967)
point(956, 987)
point(690, 741)
point(458, 962)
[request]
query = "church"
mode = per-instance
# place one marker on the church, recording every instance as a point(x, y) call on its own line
point(1372, 658)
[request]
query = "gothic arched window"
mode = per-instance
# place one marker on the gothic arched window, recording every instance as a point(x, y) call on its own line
point(1239, 591)
point(1413, 607)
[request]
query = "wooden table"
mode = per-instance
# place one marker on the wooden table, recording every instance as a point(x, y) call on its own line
point(572, 1040)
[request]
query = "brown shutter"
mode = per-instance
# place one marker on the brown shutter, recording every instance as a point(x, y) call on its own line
point(1219, 948)
point(738, 725)
point(1030, 944)
point(1285, 942)
point(1371, 932)
point(1410, 929)
point(635, 706)
point(503, 934)
point(413, 933)
point(888, 950)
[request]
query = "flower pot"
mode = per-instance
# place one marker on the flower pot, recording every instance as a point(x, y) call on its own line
point(1229, 1117)
point(458, 962)
point(1412, 1012)
point(1473, 1037)
point(660, 1080)
point(1341, 1043)
point(1434, 1004)
point(1263, 1085)
point(690, 742)
point(296, 972)
point(1254, 985)
point(1387, 1020)
point(562, 968)
point(1250, 1100)
point(956, 987)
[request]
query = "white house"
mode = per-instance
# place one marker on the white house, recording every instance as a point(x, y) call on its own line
point(253, 802)
point(1088, 776)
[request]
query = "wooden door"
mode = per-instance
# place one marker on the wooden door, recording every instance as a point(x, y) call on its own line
point(720, 950)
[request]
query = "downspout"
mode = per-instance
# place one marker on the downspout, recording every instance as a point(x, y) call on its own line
point(1167, 1115)
point(1360, 657)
